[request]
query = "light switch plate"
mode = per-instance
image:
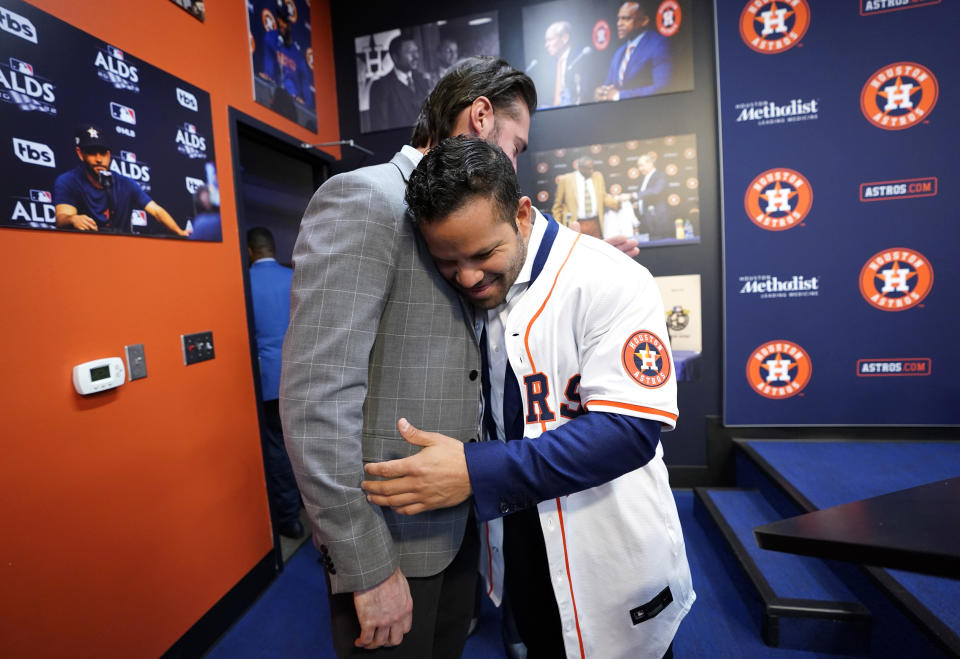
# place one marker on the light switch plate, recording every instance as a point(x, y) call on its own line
point(136, 361)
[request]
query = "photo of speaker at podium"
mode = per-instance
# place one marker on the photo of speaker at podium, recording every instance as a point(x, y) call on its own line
point(647, 189)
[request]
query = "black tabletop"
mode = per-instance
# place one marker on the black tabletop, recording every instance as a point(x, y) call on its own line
point(916, 529)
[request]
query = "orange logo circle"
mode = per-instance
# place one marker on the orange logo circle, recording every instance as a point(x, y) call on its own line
point(542, 196)
point(896, 279)
point(616, 188)
point(671, 170)
point(779, 369)
point(668, 18)
point(542, 167)
point(601, 35)
point(269, 22)
point(899, 95)
point(673, 200)
point(778, 199)
point(645, 359)
point(613, 160)
point(773, 26)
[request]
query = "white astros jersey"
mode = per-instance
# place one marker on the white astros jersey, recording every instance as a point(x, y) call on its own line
point(590, 329)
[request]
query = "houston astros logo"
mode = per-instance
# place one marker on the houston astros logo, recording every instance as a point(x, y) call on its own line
point(778, 199)
point(773, 26)
point(668, 18)
point(645, 359)
point(779, 369)
point(896, 279)
point(899, 95)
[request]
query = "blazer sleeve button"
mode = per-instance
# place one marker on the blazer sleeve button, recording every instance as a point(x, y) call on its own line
point(474, 374)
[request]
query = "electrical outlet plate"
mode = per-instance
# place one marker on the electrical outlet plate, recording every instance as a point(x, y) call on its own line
point(197, 347)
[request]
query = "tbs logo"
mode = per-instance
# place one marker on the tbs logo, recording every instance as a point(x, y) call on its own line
point(187, 100)
point(123, 113)
point(17, 25)
point(34, 153)
point(193, 184)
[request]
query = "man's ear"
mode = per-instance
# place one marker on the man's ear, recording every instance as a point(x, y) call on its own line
point(79, 153)
point(525, 217)
point(481, 117)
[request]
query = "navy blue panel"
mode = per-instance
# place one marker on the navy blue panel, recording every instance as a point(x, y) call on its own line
point(823, 134)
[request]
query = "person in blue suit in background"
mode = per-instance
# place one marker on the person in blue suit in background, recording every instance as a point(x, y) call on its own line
point(641, 66)
point(270, 291)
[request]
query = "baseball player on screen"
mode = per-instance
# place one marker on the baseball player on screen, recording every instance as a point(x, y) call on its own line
point(90, 197)
point(583, 538)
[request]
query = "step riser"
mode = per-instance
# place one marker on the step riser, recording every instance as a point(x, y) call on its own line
point(791, 623)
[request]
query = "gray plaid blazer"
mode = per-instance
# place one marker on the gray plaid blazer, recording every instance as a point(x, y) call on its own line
point(375, 334)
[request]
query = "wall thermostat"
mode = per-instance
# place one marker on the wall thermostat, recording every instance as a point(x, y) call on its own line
point(98, 375)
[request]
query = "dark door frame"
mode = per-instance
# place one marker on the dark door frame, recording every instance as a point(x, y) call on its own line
point(243, 125)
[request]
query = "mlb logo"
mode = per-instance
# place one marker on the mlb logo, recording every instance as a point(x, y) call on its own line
point(190, 128)
point(123, 113)
point(128, 156)
point(21, 67)
point(42, 196)
point(138, 218)
point(115, 53)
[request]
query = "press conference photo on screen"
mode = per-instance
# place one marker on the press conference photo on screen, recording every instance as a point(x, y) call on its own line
point(102, 142)
point(397, 68)
point(578, 51)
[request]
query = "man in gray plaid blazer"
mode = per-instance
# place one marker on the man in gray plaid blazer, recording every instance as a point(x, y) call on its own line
point(377, 334)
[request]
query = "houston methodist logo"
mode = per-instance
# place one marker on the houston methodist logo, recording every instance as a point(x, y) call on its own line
point(779, 369)
point(899, 95)
point(896, 279)
point(773, 26)
point(778, 199)
point(645, 359)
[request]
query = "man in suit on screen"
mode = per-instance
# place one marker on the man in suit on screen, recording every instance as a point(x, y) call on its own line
point(581, 197)
point(641, 66)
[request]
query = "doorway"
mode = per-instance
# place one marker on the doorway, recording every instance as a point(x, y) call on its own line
point(274, 179)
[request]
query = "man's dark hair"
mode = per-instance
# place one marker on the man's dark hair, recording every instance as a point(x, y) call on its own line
point(395, 44)
point(470, 79)
point(260, 240)
point(455, 172)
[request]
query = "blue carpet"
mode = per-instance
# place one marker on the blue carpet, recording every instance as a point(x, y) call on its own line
point(291, 619)
point(789, 575)
point(834, 473)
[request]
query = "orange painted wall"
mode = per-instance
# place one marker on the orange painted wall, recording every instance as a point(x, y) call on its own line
point(126, 516)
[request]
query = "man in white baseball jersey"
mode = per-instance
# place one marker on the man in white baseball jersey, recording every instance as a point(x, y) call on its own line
point(579, 383)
